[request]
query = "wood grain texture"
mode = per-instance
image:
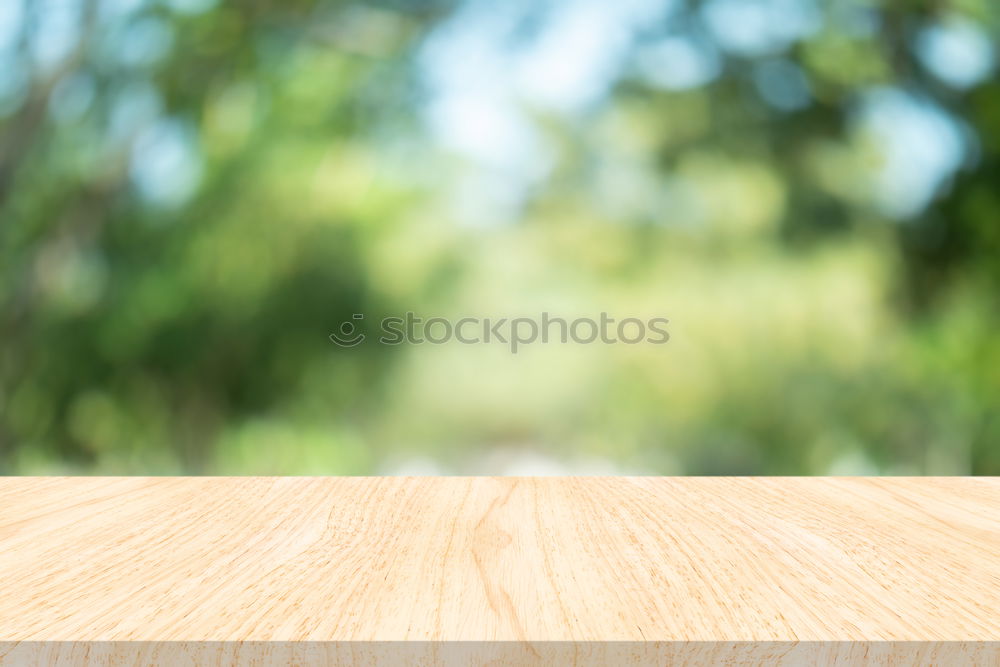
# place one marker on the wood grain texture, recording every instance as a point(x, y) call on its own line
point(503, 570)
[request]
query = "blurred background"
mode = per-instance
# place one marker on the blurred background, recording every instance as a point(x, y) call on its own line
point(195, 194)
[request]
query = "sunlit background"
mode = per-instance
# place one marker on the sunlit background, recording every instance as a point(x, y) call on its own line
point(195, 194)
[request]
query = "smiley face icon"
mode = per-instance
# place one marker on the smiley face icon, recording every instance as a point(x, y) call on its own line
point(348, 335)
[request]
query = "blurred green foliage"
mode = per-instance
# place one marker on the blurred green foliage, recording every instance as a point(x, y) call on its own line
point(193, 196)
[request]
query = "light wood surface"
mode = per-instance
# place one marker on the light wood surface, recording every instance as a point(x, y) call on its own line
point(503, 570)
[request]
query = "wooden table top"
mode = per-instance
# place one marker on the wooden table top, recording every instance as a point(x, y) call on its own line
point(726, 561)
